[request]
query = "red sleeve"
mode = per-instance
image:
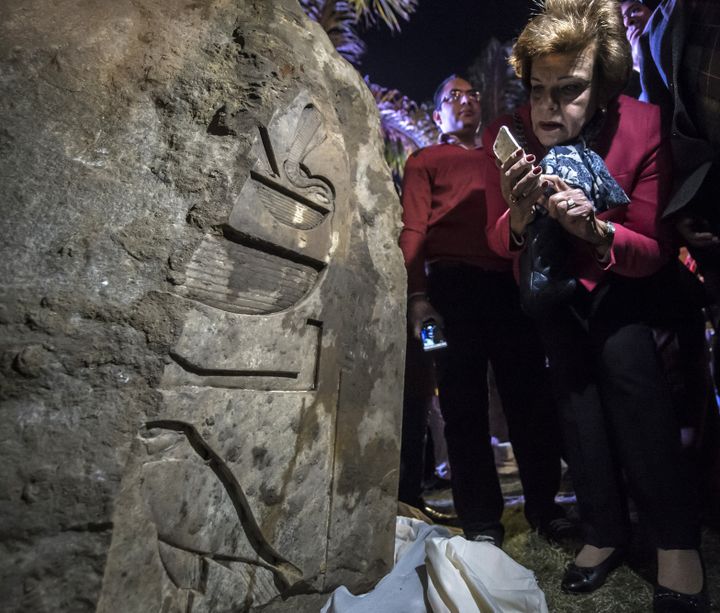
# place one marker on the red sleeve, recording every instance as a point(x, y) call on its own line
point(416, 204)
point(643, 243)
point(498, 217)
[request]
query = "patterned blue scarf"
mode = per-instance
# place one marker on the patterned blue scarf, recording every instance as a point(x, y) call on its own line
point(579, 166)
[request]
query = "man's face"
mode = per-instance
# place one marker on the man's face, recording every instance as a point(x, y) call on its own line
point(635, 16)
point(459, 110)
point(562, 95)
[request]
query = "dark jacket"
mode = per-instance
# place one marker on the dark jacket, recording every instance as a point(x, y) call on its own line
point(663, 42)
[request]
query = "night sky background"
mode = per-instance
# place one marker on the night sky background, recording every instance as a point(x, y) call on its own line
point(442, 37)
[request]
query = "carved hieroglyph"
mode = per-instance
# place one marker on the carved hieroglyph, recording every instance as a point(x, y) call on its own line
point(254, 329)
point(270, 257)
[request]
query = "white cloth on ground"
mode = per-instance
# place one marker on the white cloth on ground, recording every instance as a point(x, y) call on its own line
point(458, 575)
point(478, 578)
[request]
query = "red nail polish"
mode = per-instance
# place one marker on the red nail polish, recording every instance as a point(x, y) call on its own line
point(537, 170)
point(530, 158)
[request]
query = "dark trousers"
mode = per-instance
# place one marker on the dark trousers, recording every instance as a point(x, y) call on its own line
point(483, 322)
point(619, 423)
point(419, 387)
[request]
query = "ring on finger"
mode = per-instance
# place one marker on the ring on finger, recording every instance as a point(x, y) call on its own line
point(571, 203)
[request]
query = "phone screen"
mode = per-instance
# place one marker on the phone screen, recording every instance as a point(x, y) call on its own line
point(432, 337)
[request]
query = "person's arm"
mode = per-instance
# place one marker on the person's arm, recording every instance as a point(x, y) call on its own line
point(497, 227)
point(642, 242)
point(416, 208)
point(417, 205)
point(636, 244)
point(508, 213)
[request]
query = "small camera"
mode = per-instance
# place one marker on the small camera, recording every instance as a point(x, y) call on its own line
point(432, 336)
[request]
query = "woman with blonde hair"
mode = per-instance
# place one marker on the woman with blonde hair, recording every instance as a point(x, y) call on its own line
point(590, 179)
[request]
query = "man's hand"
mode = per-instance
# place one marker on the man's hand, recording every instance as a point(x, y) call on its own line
point(633, 37)
point(696, 232)
point(419, 311)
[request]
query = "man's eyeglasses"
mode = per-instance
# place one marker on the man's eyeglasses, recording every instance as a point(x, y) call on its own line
point(455, 95)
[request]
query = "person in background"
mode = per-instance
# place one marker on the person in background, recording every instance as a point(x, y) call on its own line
point(635, 14)
point(470, 293)
point(617, 416)
point(678, 57)
point(676, 51)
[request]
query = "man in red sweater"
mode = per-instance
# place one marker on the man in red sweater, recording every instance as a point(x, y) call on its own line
point(456, 280)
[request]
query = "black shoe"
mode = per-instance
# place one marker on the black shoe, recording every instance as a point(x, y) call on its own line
point(558, 530)
point(666, 600)
point(439, 506)
point(583, 579)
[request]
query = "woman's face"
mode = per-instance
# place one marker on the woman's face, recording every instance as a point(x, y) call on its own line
point(563, 95)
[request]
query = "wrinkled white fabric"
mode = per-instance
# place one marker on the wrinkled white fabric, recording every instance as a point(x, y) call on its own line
point(461, 577)
point(469, 577)
point(402, 590)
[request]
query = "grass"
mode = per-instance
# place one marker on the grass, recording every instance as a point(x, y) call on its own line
point(628, 589)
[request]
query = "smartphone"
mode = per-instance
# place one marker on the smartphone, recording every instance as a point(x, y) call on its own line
point(432, 336)
point(505, 145)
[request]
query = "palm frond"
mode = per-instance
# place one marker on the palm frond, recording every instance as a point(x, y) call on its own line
point(406, 127)
point(402, 118)
point(387, 10)
point(339, 19)
point(501, 90)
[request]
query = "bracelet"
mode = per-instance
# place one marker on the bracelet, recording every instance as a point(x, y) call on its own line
point(610, 232)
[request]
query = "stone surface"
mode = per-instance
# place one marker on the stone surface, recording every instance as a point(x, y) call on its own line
point(202, 310)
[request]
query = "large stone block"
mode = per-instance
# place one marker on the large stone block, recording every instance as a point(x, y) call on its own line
point(202, 310)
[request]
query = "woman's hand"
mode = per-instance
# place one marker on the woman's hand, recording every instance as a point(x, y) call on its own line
point(576, 214)
point(521, 187)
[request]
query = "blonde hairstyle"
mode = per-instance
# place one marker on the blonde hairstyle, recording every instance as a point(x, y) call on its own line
point(570, 26)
